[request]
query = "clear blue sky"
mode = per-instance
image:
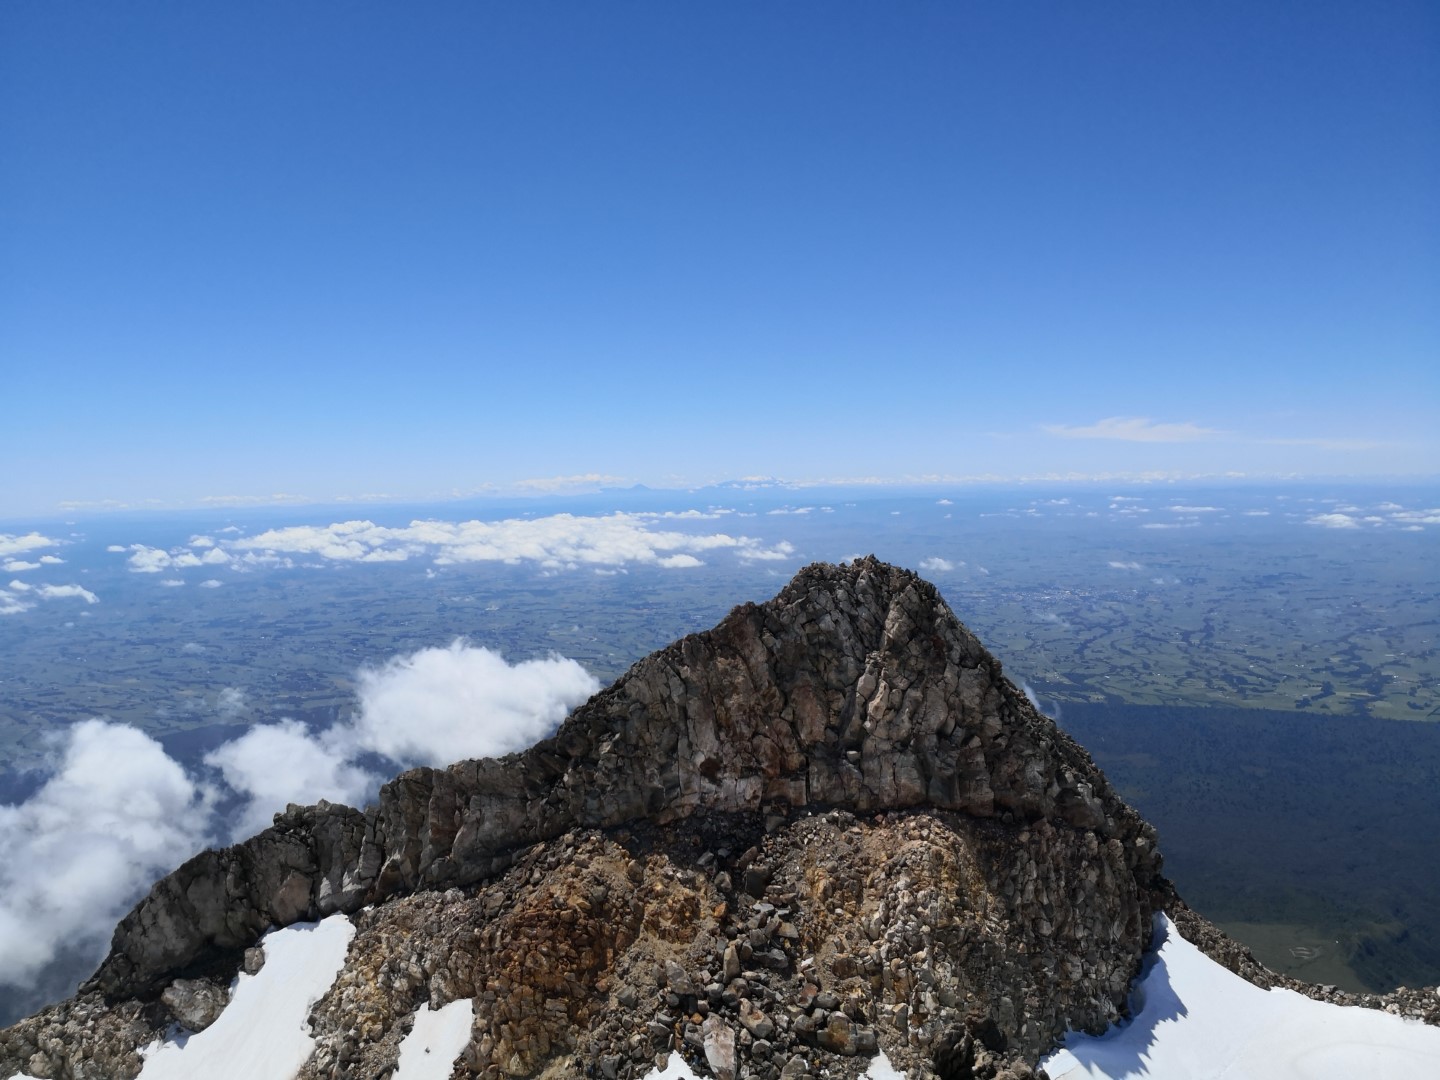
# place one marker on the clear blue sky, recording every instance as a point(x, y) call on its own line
point(334, 249)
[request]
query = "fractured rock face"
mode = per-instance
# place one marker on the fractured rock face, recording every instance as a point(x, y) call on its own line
point(944, 875)
point(854, 687)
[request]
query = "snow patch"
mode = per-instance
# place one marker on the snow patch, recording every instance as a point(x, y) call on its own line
point(676, 1069)
point(264, 1033)
point(436, 1040)
point(1195, 1020)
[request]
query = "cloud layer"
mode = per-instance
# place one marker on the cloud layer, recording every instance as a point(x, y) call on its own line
point(429, 707)
point(556, 542)
point(116, 812)
point(1136, 429)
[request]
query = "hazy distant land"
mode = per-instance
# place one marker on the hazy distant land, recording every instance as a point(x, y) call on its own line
point(1239, 659)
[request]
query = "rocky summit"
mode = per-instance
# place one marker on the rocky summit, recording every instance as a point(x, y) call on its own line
point(825, 828)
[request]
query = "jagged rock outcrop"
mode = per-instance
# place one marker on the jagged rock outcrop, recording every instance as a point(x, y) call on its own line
point(826, 827)
point(855, 687)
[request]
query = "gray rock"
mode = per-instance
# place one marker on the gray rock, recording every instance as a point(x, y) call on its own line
point(719, 1041)
point(195, 1003)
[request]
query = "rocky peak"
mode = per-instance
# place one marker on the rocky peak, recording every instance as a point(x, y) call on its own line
point(856, 688)
point(832, 797)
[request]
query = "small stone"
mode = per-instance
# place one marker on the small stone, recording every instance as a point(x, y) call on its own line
point(677, 979)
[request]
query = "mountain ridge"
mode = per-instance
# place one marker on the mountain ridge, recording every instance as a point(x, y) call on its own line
point(995, 890)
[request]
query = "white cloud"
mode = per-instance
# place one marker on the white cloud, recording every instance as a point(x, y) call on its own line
point(115, 814)
point(19, 566)
point(51, 560)
point(210, 583)
point(944, 502)
point(11, 604)
point(430, 707)
point(1195, 509)
point(1333, 521)
point(1418, 517)
point(937, 564)
point(783, 550)
point(1135, 429)
point(570, 484)
point(148, 560)
point(556, 542)
point(1171, 525)
point(61, 592)
point(277, 764)
point(436, 706)
point(1255, 513)
point(230, 702)
point(1125, 566)
point(10, 544)
point(172, 583)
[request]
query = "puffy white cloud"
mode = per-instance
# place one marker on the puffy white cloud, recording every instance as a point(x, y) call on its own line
point(115, 814)
point(1195, 509)
point(559, 541)
point(172, 583)
point(436, 706)
point(1135, 429)
point(1417, 517)
point(60, 592)
point(10, 544)
point(11, 604)
point(1333, 521)
point(430, 707)
point(51, 560)
point(1124, 565)
point(230, 702)
point(783, 550)
point(277, 764)
point(937, 564)
point(210, 583)
point(148, 560)
point(19, 566)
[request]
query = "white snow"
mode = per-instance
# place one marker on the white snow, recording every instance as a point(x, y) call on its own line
point(264, 1033)
point(1195, 1020)
point(435, 1041)
point(676, 1069)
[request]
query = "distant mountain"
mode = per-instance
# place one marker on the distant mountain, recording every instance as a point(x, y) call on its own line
point(826, 828)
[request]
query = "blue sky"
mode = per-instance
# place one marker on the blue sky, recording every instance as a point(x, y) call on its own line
point(338, 250)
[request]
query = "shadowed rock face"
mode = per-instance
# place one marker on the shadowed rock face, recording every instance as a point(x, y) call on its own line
point(854, 688)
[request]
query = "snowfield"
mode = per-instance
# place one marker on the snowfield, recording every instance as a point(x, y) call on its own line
point(1195, 1020)
point(435, 1041)
point(264, 1032)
